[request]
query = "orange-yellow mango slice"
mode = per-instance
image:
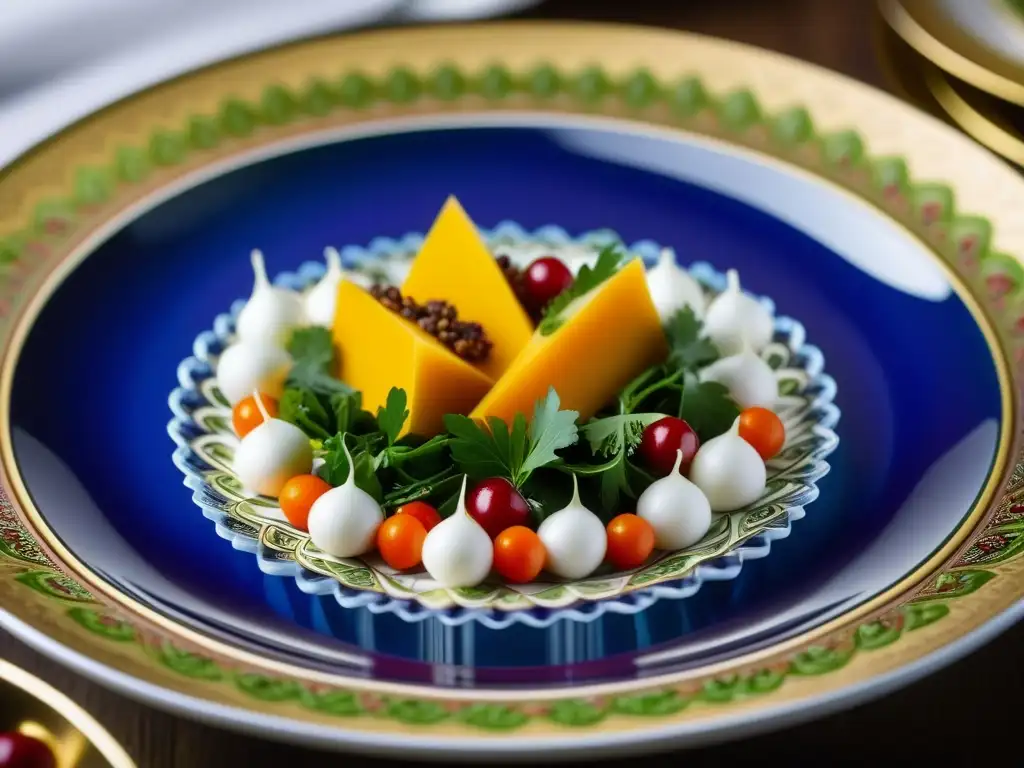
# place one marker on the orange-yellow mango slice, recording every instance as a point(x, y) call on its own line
point(608, 337)
point(380, 349)
point(454, 265)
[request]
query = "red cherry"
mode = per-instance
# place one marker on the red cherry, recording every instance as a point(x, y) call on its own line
point(20, 751)
point(497, 505)
point(662, 439)
point(544, 279)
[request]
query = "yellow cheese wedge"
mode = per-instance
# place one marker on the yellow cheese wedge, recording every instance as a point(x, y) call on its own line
point(454, 265)
point(609, 336)
point(379, 350)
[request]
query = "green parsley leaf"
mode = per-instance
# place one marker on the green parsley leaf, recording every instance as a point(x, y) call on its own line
point(391, 418)
point(313, 346)
point(707, 407)
point(474, 449)
point(615, 483)
point(335, 469)
point(551, 430)
point(614, 437)
point(617, 434)
point(349, 415)
point(314, 362)
point(322, 416)
point(513, 454)
point(304, 409)
point(688, 348)
point(518, 441)
point(587, 279)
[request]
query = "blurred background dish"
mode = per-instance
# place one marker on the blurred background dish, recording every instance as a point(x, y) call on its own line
point(978, 41)
point(60, 60)
point(36, 710)
point(994, 122)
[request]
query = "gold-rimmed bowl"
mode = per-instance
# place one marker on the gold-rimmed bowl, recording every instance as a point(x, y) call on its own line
point(32, 707)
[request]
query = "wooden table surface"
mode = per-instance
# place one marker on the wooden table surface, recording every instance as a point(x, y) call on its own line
point(950, 716)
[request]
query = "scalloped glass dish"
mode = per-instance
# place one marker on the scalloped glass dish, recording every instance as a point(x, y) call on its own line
point(205, 440)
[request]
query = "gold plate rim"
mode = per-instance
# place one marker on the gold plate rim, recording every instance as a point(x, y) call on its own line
point(726, 65)
point(939, 40)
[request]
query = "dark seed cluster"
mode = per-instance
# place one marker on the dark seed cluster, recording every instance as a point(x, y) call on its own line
point(514, 276)
point(441, 320)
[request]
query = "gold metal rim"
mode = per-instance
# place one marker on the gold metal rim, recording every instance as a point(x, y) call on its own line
point(974, 112)
point(85, 723)
point(575, 44)
point(923, 26)
point(991, 132)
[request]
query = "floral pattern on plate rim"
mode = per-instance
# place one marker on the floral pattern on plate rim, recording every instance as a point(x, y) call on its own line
point(926, 207)
point(201, 429)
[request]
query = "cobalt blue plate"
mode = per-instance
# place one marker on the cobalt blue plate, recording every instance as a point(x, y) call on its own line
point(201, 428)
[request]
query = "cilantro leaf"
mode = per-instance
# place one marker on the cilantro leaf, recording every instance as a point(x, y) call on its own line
point(551, 430)
point(614, 437)
point(348, 412)
point(474, 449)
point(304, 409)
point(615, 483)
point(314, 346)
point(391, 418)
point(708, 407)
point(518, 441)
point(513, 454)
point(315, 362)
point(587, 279)
point(688, 348)
point(322, 416)
point(617, 434)
point(335, 469)
point(303, 376)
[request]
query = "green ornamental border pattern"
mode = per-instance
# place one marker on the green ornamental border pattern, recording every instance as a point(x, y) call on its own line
point(928, 208)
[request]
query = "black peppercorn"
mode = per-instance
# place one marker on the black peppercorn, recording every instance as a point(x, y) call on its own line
point(440, 320)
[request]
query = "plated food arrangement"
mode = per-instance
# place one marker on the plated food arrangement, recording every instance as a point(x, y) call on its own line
point(586, 418)
point(881, 230)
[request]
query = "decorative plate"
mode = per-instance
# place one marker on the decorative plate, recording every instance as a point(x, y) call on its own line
point(893, 239)
point(206, 442)
point(981, 43)
point(995, 123)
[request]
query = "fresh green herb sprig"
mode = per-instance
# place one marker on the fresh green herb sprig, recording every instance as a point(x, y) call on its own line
point(587, 279)
point(689, 349)
point(672, 388)
point(393, 470)
point(314, 362)
point(397, 469)
point(322, 416)
point(336, 468)
point(513, 453)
